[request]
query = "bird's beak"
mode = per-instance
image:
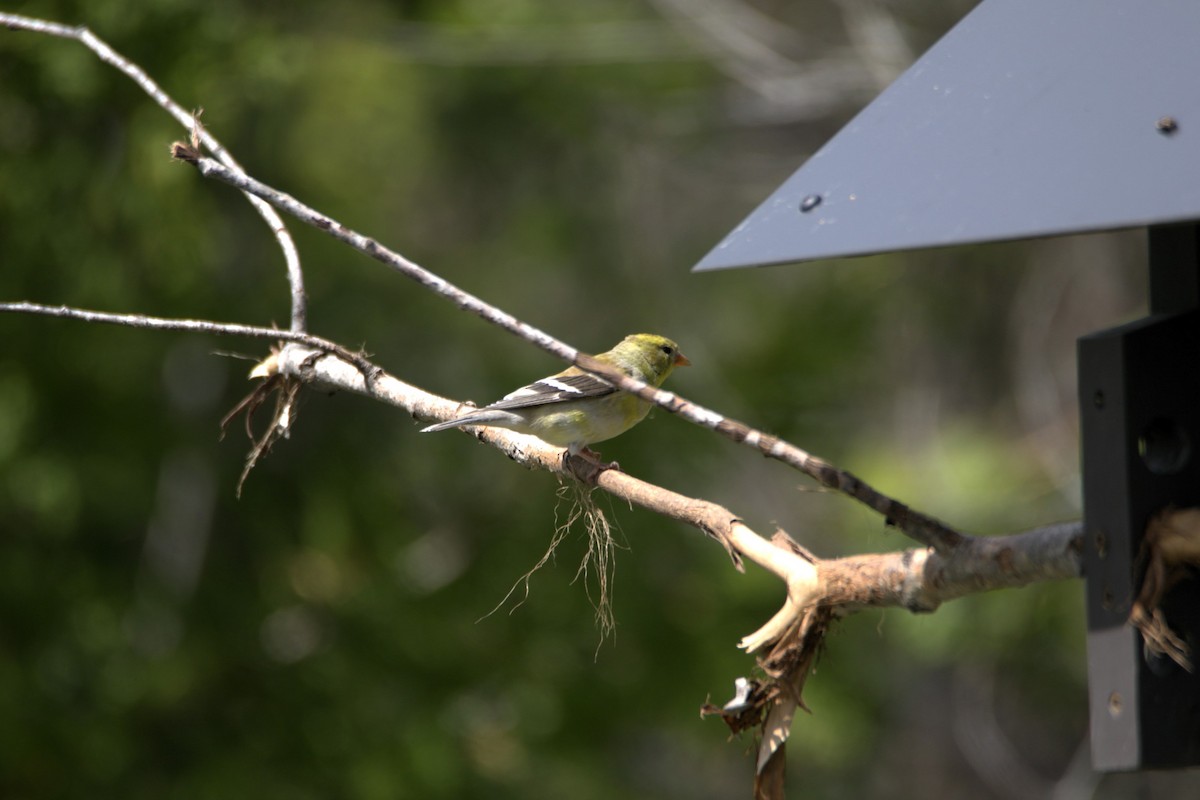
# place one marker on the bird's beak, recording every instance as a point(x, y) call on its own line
point(681, 360)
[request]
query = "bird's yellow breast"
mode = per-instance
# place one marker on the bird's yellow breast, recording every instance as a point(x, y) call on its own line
point(567, 424)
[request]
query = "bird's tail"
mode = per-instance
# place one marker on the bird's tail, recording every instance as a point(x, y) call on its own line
point(445, 426)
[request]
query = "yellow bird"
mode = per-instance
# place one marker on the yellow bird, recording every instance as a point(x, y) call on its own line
point(573, 408)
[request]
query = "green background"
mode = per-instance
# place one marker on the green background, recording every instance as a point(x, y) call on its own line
point(323, 635)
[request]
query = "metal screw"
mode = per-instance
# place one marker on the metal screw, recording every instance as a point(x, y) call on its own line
point(1114, 704)
point(1167, 125)
point(1101, 544)
point(809, 203)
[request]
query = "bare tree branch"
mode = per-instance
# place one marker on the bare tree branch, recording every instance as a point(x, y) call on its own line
point(192, 326)
point(918, 580)
point(921, 580)
point(188, 120)
point(925, 529)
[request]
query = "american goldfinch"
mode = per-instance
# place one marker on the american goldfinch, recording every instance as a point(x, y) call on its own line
point(573, 408)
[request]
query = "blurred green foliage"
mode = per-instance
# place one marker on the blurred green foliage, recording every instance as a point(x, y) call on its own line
point(327, 634)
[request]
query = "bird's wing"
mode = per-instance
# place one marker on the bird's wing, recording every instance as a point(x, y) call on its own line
point(555, 389)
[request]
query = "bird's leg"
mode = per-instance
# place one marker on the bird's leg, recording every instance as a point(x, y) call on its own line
point(594, 457)
point(587, 464)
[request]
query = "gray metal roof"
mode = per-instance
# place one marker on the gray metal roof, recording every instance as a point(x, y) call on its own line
point(1029, 118)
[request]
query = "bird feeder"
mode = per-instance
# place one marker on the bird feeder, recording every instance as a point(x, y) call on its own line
point(1037, 118)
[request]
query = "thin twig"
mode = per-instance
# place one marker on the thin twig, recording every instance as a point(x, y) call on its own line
point(197, 326)
point(188, 120)
point(210, 168)
point(923, 528)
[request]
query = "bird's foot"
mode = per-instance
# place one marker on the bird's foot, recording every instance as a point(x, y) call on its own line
point(594, 457)
point(586, 465)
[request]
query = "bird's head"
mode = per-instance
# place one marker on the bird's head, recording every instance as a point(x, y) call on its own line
point(656, 355)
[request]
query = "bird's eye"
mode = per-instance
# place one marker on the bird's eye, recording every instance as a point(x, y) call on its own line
point(667, 349)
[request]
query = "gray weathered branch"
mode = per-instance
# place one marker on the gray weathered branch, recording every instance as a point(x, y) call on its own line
point(922, 527)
